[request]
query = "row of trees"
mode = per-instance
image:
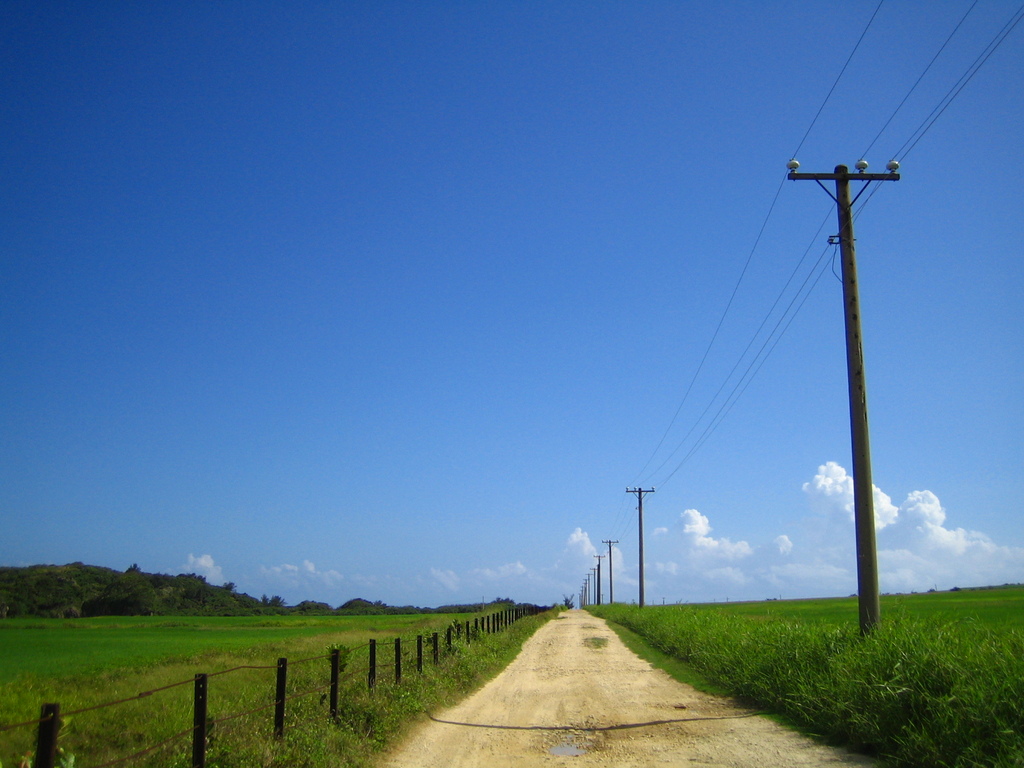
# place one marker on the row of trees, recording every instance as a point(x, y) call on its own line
point(71, 591)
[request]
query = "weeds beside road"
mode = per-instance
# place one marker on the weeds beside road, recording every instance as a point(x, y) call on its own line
point(920, 693)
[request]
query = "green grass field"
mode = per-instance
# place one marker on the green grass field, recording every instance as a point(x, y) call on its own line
point(992, 606)
point(939, 683)
point(59, 648)
point(87, 662)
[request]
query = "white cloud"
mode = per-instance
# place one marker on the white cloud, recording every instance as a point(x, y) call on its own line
point(784, 544)
point(579, 544)
point(205, 567)
point(918, 549)
point(814, 578)
point(660, 531)
point(503, 572)
point(922, 552)
point(832, 491)
point(447, 579)
point(924, 509)
point(305, 576)
point(726, 575)
point(697, 527)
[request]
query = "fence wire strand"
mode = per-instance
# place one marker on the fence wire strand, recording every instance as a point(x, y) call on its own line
point(38, 721)
point(136, 697)
point(463, 633)
point(147, 750)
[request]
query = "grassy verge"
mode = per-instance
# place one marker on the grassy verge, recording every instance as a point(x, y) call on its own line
point(367, 722)
point(917, 692)
point(675, 668)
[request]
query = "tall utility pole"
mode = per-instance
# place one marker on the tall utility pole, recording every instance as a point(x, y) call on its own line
point(611, 584)
point(593, 586)
point(640, 508)
point(863, 494)
point(598, 578)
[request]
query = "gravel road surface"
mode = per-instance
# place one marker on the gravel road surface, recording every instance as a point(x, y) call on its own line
point(577, 696)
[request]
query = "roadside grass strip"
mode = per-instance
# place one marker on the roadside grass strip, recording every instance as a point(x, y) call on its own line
point(917, 692)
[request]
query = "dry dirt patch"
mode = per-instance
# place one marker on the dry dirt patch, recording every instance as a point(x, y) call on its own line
point(577, 696)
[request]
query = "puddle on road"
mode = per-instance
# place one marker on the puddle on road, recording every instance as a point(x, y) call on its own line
point(570, 750)
point(572, 745)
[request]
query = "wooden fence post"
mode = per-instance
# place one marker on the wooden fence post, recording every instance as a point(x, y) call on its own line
point(46, 737)
point(199, 698)
point(448, 639)
point(282, 682)
point(335, 666)
point(398, 660)
point(419, 654)
point(372, 677)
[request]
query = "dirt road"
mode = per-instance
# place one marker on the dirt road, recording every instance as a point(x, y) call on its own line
point(577, 696)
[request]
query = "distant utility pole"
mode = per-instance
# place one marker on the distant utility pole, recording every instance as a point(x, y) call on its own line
point(863, 494)
point(640, 508)
point(593, 586)
point(598, 578)
point(611, 584)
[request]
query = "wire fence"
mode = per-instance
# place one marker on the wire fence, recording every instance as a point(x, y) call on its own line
point(342, 668)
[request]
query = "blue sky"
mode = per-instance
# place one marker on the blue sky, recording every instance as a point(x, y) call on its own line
point(394, 300)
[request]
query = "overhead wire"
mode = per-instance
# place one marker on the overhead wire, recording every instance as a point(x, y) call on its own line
point(919, 79)
point(838, 78)
point(742, 355)
point(740, 387)
point(757, 240)
point(957, 87)
point(820, 268)
point(950, 95)
point(714, 335)
point(789, 314)
point(759, 358)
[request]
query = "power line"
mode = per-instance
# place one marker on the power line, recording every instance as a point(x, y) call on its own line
point(739, 359)
point(718, 328)
point(960, 84)
point(916, 136)
point(732, 296)
point(838, 78)
point(759, 360)
point(951, 94)
point(919, 79)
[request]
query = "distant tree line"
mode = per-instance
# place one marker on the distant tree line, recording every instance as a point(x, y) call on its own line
point(76, 590)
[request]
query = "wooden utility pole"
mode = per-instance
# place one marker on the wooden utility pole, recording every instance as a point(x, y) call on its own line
point(599, 578)
point(640, 509)
point(863, 493)
point(611, 583)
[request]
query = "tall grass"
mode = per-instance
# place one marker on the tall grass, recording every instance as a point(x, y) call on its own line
point(917, 692)
point(367, 721)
